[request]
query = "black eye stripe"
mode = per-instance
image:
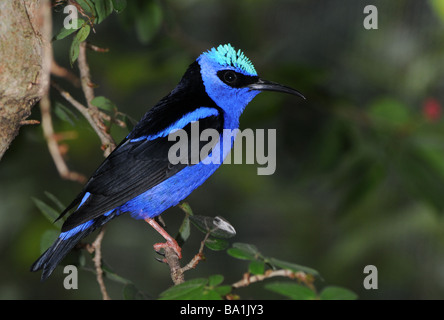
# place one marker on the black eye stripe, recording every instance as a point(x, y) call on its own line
point(235, 79)
point(230, 77)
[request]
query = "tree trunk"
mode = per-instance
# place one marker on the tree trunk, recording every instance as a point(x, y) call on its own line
point(25, 59)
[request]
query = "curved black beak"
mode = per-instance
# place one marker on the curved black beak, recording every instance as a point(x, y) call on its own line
point(265, 85)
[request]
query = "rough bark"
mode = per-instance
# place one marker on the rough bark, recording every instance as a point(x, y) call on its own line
point(25, 51)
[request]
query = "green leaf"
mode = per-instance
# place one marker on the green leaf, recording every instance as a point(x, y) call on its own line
point(240, 254)
point(119, 5)
point(148, 20)
point(130, 123)
point(50, 213)
point(87, 6)
point(184, 231)
point(55, 200)
point(63, 113)
point(337, 293)
point(222, 228)
point(203, 223)
point(433, 154)
point(291, 290)
point(215, 280)
point(130, 292)
point(223, 290)
point(218, 227)
point(248, 248)
point(188, 290)
point(216, 244)
point(103, 103)
point(103, 8)
point(389, 113)
point(186, 208)
point(292, 266)
point(209, 295)
point(80, 36)
point(63, 33)
point(82, 258)
point(47, 239)
point(438, 8)
point(256, 267)
point(110, 274)
point(73, 52)
point(244, 251)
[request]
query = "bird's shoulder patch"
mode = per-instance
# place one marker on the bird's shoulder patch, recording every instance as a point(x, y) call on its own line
point(194, 115)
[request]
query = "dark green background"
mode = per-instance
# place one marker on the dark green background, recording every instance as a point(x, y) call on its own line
point(360, 166)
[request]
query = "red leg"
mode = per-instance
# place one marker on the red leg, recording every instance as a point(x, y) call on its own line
point(170, 242)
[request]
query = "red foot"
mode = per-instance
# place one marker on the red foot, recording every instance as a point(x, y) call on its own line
point(170, 242)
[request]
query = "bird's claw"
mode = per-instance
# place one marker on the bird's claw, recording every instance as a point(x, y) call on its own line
point(169, 244)
point(161, 260)
point(160, 253)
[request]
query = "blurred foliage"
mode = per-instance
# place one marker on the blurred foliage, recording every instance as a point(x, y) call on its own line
point(216, 230)
point(360, 167)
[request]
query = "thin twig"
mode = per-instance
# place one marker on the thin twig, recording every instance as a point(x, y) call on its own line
point(96, 48)
point(108, 143)
point(177, 273)
point(104, 137)
point(80, 107)
point(97, 243)
point(93, 115)
point(96, 247)
point(53, 146)
point(173, 262)
point(91, 19)
point(198, 257)
point(62, 72)
point(247, 279)
point(85, 76)
point(29, 122)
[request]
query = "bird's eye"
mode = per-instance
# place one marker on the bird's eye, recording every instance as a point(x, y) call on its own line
point(230, 77)
point(235, 79)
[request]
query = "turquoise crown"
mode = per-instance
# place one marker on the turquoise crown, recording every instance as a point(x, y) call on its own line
point(226, 55)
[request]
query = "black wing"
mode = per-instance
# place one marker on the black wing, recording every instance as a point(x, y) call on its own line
point(136, 166)
point(131, 169)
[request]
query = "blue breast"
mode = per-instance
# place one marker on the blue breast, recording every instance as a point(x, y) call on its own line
point(172, 191)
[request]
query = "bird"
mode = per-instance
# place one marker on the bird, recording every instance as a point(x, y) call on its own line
point(137, 177)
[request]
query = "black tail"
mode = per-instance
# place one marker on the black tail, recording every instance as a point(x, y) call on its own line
point(49, 260)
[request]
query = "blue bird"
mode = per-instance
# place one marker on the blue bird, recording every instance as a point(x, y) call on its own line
point(137, 177)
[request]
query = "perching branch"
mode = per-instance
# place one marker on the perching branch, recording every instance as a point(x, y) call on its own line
point(96, 245)
point(177, 272)
point(172, 260)
point(94, 116)
point(95, 248)
point(198, 257)
point(85, 76)
point(98, 127)
point(107, 141)
point(249, 279)
point(62, 72)
point(53, 146)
